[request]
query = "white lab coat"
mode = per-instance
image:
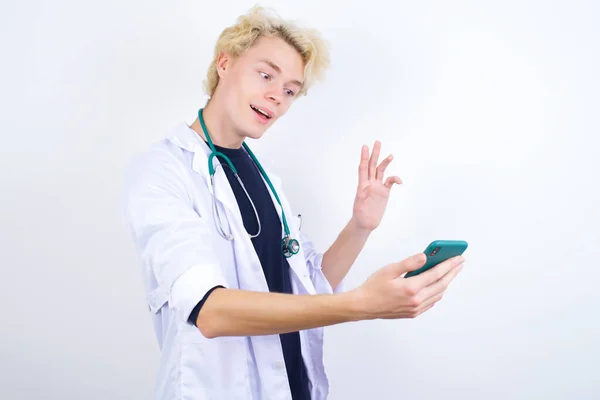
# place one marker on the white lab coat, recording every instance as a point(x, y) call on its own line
point(167, 208)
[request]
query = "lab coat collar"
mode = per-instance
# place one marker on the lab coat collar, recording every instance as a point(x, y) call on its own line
point(186, 138)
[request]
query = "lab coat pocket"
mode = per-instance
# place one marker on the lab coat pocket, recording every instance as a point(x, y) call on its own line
point(215, 366)
point(298, 220)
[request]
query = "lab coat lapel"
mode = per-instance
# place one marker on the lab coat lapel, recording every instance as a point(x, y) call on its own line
point(222, 190)
point(186, 138)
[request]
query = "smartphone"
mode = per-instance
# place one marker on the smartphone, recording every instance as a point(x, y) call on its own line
point(439, 251)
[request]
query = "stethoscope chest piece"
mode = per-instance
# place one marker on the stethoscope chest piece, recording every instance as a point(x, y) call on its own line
point(289, 246)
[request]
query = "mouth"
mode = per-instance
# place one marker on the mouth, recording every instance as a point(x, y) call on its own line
point(265, 113)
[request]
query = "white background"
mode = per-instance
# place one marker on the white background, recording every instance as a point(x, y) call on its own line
point(490, 109)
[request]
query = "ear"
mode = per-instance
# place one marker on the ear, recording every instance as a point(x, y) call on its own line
point(223, 64)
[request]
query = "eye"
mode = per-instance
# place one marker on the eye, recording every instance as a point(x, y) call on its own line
point(265, 75)
point(289, 92)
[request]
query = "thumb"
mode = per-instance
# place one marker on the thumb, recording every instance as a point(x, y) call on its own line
point(391, 180)
point(408, 264)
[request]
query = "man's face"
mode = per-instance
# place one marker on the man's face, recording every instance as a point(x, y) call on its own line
point(264, 80)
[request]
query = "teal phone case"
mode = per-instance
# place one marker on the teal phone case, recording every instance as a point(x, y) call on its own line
point(439, 251)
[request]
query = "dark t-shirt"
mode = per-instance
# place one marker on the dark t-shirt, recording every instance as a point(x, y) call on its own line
point(268, 248)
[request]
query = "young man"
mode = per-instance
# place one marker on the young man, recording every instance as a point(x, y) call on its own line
point(236, 315)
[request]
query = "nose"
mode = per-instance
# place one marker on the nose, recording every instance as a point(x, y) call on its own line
point(274, 95)
point(274, 99)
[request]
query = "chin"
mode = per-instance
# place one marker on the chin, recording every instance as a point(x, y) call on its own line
point(253, 133)
point(252, 126)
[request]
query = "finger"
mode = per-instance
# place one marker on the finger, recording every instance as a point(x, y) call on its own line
point(409, 264)
point(363, 167)
point(389, 182)
point(438, 287)
point(426, 307)
point(382, 167)
point(374, 159)
point(436, 273)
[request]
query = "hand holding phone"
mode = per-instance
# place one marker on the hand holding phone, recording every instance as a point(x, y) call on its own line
point(386, 294)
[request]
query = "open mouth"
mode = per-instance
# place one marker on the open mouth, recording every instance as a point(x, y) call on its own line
point(260, 111)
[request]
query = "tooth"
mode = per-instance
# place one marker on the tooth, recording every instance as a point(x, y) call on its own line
point(260, 111)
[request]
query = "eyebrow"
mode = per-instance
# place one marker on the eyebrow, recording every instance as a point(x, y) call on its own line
point(276, 68)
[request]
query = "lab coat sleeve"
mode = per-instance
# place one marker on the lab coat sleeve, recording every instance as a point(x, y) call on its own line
point(171, 239)
point(314, 260)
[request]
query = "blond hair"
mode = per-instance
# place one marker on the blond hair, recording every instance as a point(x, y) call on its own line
point(238, 38)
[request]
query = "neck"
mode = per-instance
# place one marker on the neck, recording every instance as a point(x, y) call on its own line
point(219, 127)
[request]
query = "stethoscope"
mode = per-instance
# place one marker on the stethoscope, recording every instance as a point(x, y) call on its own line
point(289, 246)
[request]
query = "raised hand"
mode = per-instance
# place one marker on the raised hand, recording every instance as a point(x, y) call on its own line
point(373, 192)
